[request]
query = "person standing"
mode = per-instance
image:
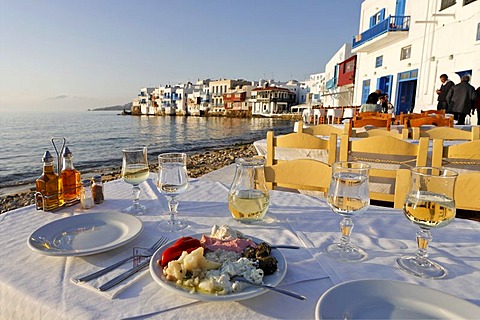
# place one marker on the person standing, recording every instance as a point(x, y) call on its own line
point(461, 98)
point(477, 106)
point(443, 91)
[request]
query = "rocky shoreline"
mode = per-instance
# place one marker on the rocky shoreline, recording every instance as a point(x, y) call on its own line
point(198, 165)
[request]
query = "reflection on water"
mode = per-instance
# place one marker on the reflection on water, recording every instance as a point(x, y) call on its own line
point(97, 138)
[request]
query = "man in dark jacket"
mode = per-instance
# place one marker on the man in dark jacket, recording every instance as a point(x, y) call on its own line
point(461, 99)
point(443, 91)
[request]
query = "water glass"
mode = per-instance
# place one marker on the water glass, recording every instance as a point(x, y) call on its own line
point(428, 204)
point(348, 195)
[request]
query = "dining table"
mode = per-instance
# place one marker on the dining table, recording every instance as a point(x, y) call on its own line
point(34, 285)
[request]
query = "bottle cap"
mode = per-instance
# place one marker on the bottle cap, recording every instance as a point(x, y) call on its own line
point(47, 157)
point(97, 178)
point(86, 183)
point(67, 153)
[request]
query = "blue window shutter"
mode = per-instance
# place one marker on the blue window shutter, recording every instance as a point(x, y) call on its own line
point(382, 14)
point(372, 21)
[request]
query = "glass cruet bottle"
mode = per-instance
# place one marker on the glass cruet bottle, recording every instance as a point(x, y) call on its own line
point(248, 198)
point(49, 184)
point(70, 178)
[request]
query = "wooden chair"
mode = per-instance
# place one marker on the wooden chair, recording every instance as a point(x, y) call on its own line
point(403, 118)
point(390, 159)
point(433, 111)
point(373, 114)
point(447, 133)
point(435, 121)
point(375, 122)
point(300, 174)
point(465, 159)
point(321, 130)
point(381, 132)
point(334, 115)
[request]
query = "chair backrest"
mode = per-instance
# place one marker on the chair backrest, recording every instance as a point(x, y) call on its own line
point(305, 173)
point(323, 130)
point(386, 155)
point(381, 132)
point(373, 114)
point(375, 122)
point(464, 158)
point(427, 120)
point(447, 133)
point(404, 117)
point(433, 111)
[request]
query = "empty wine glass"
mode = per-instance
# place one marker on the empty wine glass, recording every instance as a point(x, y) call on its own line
point(348, 195)
point(428, 204)
point(172, 181)
point(135, 171)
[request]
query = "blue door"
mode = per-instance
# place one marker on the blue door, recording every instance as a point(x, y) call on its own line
point(365, 90)
point(400, 8)
point(385, 84)
point(406, 96)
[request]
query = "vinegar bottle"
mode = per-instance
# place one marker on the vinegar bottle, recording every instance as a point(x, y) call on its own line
point(50, 185)
point(70, 178)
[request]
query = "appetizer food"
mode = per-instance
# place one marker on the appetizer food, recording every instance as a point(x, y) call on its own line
point(207, 265)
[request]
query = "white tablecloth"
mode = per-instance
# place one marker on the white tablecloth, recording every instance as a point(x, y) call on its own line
point(34, 286)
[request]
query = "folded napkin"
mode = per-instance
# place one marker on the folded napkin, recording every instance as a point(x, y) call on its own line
point(113, 292)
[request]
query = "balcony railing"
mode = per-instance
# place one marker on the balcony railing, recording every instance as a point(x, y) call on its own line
point(390, 24)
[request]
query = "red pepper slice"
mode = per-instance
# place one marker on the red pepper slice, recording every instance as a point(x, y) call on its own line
point(175, 251)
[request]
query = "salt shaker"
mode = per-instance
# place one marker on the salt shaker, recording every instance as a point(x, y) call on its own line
point(86, 197)
point(97, 189)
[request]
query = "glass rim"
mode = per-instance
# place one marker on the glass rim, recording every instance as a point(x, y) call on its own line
point(358, 165)
point(448, 173)
point(134, 149)
point(251, 161)
point(172, 155)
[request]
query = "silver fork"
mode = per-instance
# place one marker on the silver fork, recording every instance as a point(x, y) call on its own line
point(147, 253)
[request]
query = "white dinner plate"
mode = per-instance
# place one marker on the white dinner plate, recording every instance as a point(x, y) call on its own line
point(386, 299)
point(247, 293)
point(85, 234)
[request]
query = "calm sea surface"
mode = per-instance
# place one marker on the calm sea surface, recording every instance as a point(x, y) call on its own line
point(96, 138)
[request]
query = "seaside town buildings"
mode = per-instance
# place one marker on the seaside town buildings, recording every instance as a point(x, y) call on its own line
point(402, 47)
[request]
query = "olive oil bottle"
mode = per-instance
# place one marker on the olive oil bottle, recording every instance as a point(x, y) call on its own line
point(70, 178)
point(50, 185)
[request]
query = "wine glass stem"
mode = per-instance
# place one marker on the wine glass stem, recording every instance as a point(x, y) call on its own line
point(424, 237)
point(135, 195)
point(173, 205)
point(346, 226)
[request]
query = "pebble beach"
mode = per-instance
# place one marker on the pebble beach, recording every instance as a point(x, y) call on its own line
point(198, 165)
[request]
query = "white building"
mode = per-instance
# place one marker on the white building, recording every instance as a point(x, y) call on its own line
point(145, 101)
point(404, 46)
point(315, 85)
point(335, 95)
point(199, 99)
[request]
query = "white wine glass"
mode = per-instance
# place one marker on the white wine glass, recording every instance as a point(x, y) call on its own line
point(135, 171)
point(348, 195)
point(172, 181)
point(428, 204)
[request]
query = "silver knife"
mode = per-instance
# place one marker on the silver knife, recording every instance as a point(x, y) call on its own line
point(127, 274)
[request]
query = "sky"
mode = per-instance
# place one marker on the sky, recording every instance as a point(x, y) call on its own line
point(75, 55)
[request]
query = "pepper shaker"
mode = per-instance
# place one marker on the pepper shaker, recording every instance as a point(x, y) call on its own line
point(97, 189)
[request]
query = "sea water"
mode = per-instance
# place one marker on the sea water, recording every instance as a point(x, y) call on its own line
point(96, 138)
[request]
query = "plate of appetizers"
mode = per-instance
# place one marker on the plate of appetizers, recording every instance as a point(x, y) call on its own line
point(201, 266)
point(388, 299)
point(85, 234)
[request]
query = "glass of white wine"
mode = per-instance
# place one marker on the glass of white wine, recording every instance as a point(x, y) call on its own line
point(172, 181)
point(348, 195)
point(428, 204)
point(135, 171)
point(248, 197)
